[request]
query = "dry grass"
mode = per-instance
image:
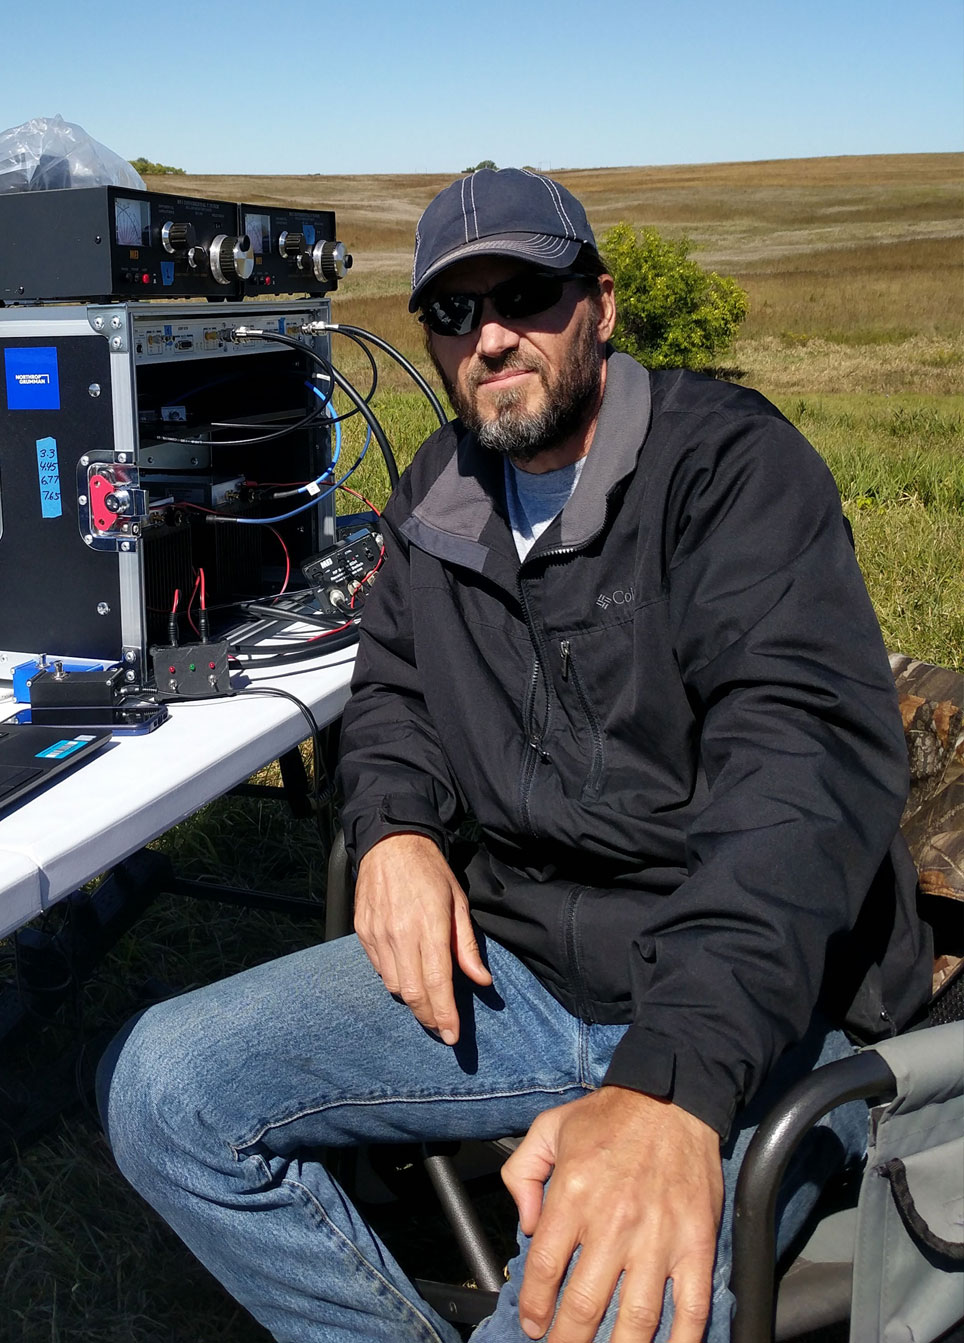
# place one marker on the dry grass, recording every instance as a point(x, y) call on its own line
point(783, 366)
point(860, 294)
point(852, 250)
point(738, 212)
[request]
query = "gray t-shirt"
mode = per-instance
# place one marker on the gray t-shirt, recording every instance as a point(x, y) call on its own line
point(534, 500)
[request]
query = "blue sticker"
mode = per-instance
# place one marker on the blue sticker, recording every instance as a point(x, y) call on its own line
point(61, 749)
point(309, 232)
point(33, 382)
point(48, 470)
point(167, 272)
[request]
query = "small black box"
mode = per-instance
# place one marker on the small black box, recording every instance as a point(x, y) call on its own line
point(53, 689)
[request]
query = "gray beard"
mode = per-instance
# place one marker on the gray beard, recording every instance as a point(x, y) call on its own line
point(513, 430)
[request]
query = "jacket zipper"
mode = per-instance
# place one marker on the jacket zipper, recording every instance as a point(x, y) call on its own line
point(534, 739)
point(535, 749)
point(595, 771)
point(583, 1011)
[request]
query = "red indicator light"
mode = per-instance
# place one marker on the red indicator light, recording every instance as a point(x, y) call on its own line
point(172, 670)
point(212, 666)
point(267, 279)
point(145, 278)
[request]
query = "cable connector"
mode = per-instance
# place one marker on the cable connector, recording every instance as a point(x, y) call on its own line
point(172, 620)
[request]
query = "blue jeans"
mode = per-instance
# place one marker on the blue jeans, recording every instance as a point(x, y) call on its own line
point(217, 1104)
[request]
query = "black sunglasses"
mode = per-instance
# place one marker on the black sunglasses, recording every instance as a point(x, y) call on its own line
point(524, 295)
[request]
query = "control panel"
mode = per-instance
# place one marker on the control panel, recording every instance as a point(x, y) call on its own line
point(341, 575)
point(182, 337)
point(116, 243)
point(295, 251)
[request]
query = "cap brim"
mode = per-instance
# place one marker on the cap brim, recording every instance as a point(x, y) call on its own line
point(539, 249)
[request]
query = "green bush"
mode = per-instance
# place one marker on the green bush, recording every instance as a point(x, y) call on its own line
point(148, 169)
point(671, 312)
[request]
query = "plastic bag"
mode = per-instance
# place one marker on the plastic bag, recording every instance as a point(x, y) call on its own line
point(48, 154)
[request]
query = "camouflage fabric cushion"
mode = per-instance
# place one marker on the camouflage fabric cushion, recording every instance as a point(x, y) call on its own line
point(932, 707)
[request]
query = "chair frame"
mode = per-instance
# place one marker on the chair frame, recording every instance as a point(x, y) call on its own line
point(864, 1076)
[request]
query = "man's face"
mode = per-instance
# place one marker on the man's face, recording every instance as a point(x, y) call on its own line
point(524, 385)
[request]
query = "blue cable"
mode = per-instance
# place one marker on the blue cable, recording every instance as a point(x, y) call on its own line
point(283, 517)
point(303, 489)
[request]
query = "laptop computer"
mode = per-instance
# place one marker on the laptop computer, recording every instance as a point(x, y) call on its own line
point(31, 755)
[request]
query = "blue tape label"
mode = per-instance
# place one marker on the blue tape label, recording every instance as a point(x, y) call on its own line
point(62, 749)
point(309, 232)
point(33, 382)
point(167, 272)
point(48, 470)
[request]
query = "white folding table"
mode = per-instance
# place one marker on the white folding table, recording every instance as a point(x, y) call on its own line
point(140, 786)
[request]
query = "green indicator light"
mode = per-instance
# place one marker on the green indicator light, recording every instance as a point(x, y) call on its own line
point(192, 666)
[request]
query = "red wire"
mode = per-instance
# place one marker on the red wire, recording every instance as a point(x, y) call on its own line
point(177, 598)
point(184, 503)
point(197, 584)
point(348, 490)
point(381, 556)
point(284, 585)
point(325, 633)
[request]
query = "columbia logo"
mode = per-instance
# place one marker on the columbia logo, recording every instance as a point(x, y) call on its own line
point(621, 597)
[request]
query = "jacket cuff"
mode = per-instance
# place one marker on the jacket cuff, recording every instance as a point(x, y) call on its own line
point(397, 814)
point(648, 1062)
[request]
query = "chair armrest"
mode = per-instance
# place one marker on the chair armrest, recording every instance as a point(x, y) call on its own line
point(340, 892)
point(861, 1077)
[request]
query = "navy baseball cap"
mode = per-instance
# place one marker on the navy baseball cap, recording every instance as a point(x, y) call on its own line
point(498, 212)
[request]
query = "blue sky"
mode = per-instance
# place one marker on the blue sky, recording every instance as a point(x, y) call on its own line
point(374, 86)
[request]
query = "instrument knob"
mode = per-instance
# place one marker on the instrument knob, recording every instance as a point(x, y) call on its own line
point(231, 258)
point(177, 237)
point(331, 261)
point(291, 245)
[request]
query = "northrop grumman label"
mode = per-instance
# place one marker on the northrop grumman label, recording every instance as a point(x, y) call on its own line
point(33, 382)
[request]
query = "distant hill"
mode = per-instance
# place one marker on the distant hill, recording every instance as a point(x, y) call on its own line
point(738, 212)
point(856, 248)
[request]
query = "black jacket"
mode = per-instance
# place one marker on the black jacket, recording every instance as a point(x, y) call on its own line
point(674, 723)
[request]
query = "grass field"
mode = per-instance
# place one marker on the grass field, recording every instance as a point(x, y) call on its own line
point(854, 271)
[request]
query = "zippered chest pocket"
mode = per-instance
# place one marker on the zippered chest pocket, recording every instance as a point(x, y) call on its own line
point(592, 724)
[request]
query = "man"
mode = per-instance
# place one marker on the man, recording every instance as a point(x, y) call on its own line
point(620, 625)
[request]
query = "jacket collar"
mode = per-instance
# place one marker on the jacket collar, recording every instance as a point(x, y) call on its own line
point(462, 517)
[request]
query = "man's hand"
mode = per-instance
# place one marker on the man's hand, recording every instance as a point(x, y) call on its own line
point(412, 917)
point(637, 1183)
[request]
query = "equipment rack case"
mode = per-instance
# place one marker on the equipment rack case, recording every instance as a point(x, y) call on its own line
point(88, 394)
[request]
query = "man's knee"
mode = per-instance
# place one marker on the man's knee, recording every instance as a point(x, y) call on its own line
point(149, 1084)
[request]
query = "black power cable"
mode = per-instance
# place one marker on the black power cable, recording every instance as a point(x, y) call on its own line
point(294, 617)
point(317, 413)
point(354, 332)
point(296, 650)
point(250, 645)
point(253, 333)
